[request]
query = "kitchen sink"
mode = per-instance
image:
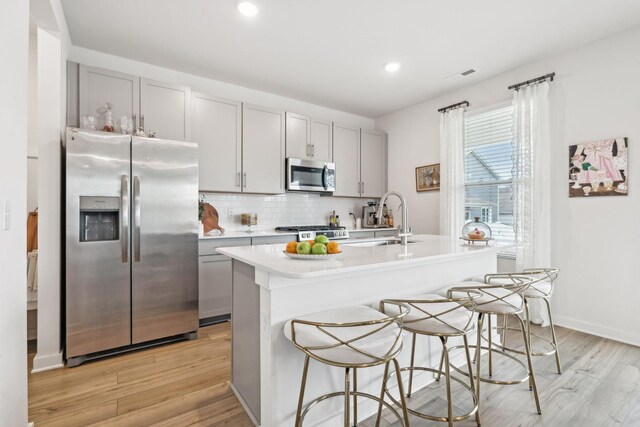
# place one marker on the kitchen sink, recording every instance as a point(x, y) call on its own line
point(387, 242)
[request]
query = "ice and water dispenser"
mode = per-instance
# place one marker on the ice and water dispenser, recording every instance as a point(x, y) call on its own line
point(99, 218)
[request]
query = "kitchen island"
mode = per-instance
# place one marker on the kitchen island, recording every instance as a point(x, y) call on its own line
point(269, 288)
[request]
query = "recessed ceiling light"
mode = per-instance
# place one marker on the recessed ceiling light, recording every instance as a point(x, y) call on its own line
point(247, 8)
point(392, 67)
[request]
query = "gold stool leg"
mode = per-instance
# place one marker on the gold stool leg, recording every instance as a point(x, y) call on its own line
point(440, 366)
point(447, 378)
point(478, 353)
point(347, 389)
point(553, 335)
point(528, 324)
point(384, 386)
point(489, 333)
point(471, 383)
point(355, 397)
point(302, 387)
point(403, 401)
point(504, 331)
point(531, 373)
point(413, 353)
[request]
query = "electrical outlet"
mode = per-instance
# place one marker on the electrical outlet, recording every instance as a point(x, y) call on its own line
point(229, 213)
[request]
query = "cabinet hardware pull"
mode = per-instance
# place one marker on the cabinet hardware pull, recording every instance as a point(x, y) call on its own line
point(313, 150)
point(245, 180)
point(238, 180)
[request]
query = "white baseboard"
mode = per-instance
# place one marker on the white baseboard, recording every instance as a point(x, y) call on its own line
point(30, 424)
point(598, 330)
point(48, 362)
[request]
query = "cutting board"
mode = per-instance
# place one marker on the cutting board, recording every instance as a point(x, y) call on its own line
point(210, 219)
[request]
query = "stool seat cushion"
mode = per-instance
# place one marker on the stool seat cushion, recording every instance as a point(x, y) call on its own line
point(437, 318)
point(539, 289)
point(371, 349)
point(509, 303)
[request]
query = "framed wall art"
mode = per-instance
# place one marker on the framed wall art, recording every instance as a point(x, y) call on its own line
point(428, 177)
point(598, 169)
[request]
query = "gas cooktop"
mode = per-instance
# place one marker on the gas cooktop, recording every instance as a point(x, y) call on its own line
point(309, 232)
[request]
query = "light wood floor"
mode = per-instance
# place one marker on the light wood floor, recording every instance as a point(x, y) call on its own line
point(187, 384)
point(182, 384)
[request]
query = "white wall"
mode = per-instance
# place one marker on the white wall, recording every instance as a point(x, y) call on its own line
point(49, 92)
point(596, 95)
point(14, 44)
point(213, 87)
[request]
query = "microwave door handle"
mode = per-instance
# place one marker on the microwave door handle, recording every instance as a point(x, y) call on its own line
point(325, 172)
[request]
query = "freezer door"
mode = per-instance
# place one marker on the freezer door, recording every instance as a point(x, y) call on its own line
point(164, 238)
point(98, 292)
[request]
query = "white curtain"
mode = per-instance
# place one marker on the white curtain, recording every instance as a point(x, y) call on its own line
point(452, 172)
point(532, 182)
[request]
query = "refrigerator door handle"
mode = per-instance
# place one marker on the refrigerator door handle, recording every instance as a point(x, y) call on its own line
point(124, 218)
point(136, 219)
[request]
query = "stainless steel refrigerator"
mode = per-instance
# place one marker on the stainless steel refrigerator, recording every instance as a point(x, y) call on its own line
point(131, 260)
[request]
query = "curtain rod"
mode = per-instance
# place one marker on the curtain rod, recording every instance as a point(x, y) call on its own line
point(549, 76)
point(452, 106)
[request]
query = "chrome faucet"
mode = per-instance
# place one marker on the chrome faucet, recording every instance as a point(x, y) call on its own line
point(405, 230)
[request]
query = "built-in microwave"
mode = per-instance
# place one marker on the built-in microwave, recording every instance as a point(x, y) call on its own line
point(309, 175)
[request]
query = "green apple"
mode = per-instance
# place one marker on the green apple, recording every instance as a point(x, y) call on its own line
point(319, 249)
point(322, 239)
point(304, 248)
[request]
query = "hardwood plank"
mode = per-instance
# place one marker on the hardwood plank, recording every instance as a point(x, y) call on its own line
point(160, 413)
point(83, 417)
point(613, 400)
point(183, 382)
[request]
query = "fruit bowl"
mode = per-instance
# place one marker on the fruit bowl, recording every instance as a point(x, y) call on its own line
point(312, 256)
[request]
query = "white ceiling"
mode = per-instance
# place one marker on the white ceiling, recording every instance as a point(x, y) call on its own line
point(333, 52)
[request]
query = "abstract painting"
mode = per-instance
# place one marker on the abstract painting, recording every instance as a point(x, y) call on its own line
point(598, 169)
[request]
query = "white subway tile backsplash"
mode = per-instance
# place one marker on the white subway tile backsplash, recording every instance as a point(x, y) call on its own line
point(288, 209)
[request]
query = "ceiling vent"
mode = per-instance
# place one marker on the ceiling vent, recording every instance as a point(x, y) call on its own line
point(461, 74)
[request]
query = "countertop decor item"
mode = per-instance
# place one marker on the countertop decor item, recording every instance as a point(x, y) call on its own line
point(249, 219)
point(476, 231)
point(210, 218)
point(428, 177)
point(312, 256)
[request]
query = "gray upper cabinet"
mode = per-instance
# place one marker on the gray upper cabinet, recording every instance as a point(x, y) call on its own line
point(308, 138)
point(216, 125)
point(98, 87)
point(263, 149)
point(346, 156)
point(372, 164)
point(298, 135)
point(165, 109)
point(321, 138)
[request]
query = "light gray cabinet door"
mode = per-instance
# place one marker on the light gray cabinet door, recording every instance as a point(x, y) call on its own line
point(346, 156)
point(272, 240)
point(372, 164)
point(216, 126)
point(98, 87)
point(298, 136)
point(214, 282)
point(164, 109)
point(321, 138)
point(263, 150)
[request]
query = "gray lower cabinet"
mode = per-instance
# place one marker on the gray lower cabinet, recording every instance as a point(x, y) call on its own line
point(386, 233)
point(215, 272)
point(215, 277)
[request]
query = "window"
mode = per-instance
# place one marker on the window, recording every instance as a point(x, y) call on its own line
point(488, 167)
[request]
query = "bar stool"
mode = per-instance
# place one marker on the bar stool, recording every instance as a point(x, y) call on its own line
point(350, 338)
point(541, 288)
point(436, 316)
point(506, 299)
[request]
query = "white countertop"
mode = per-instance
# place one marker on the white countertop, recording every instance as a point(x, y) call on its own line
point(238, 234)
point(426, 249)
point(266, 233)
